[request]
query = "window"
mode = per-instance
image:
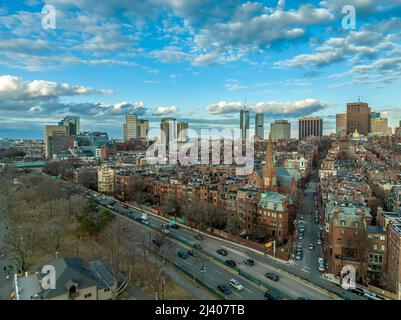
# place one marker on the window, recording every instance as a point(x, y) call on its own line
point(342, 231)
point(375, 247)
point(382, 238)
point(383, 247)
point(106, 289)
point(88, 295)
point(342, 222)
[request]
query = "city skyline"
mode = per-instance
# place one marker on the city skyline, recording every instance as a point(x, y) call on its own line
point(162, 62)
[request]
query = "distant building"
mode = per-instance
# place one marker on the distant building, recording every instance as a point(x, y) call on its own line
point(105, 176)
point(341, 123)
point(72, 123)
point(310, 127)
point(393, 272)
point(260, 126)
point(130, 127)
point(168, 128)
point(53, 131)
point(280, 129)
point(4, 143)
point(375, 115)
point(379, 126)
point(358, 118)
point(182, 131)
point(244, 124)
point(143, 128)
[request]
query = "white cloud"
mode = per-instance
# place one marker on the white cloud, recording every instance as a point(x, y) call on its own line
point(162, 111)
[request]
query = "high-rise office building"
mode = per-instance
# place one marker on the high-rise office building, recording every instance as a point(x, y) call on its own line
point(244, 124)
point(182, 131)
point(310, 126)
point(72, 123)
point(379, 127)
point(341, 123)
point(358, 118)
point(143, 128)
point(51, 144)
point(375, 115)
point(168, 128)
point(260, 126)
point(280, 129)
point(130, 127)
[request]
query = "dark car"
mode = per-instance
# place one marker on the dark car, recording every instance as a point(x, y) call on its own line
point(156, 242)
point(231, 263)
point(249, 262)
point(197, 246)
point(182, 254)
point(356, 291)
point(192, 253)
point(272, 276)
point(125, 206)
point(174, 226)
point(199, 237)
point(224, 288)
point(222, 252)
point(271, 295)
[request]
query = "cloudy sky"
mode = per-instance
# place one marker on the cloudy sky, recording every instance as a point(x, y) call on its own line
point(196, 60)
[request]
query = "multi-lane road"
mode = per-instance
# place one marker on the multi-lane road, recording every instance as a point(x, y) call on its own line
point(291, 286)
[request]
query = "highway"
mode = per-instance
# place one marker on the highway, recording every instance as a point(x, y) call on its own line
point(290, 283)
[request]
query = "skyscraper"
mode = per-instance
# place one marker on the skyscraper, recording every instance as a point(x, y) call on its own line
point(168, 128)
point(130, 127)
point(182, 131)
point(143, 128)
point(72, 123)
point(53, 131)
point(379, 127)
point(358, 118)
point(259, 126)
point(280, 129)
point(341, 123)
point(244, 124)
point(310, 126)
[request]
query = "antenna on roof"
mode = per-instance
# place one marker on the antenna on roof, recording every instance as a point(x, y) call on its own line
point(245, 103)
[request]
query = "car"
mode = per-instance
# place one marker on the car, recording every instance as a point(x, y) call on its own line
point(321, 264)
point(192, 253)
point(182, 254)
point(197, 246)
point(165, 229)
point(272, 276)
point(311, 246)
point(271, 295)
point(301, 217)
point(298, 255)
point(222, 252)
point(371, 296)
point(145, 221)
point(156, 242)
point(357, 291)
point(319, 241)
point(174, 226)
point(299, 245)
point(110, 206)
point(224, 288)
point(249, 262)
point(199, 237)
point(139, 219)
point(236, 284)
point(125, 206)
point(231, 263)
point(301, 237)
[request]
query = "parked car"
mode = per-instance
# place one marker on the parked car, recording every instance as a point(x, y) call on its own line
point(321, 264)
point(125, 206)
point(356, 291)
point(249, 262)
point(224, 288)
point(174, 226)
point(192, 253)
point(222, 252)
point(301, 237)
point(231, 263)
point(182, 254)
point(299, 246)
point(197, 246)
point(271, 295)
point(372, 296)
point(311, 246)
point(298, 255)
point(319, 242)
point(272, 276)
point(236, 284)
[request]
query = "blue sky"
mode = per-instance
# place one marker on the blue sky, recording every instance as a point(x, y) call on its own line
point(194, 60)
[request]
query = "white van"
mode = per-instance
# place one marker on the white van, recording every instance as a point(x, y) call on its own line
point(321, 264)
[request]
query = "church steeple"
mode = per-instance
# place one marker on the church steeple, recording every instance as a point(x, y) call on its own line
point(269, 171)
